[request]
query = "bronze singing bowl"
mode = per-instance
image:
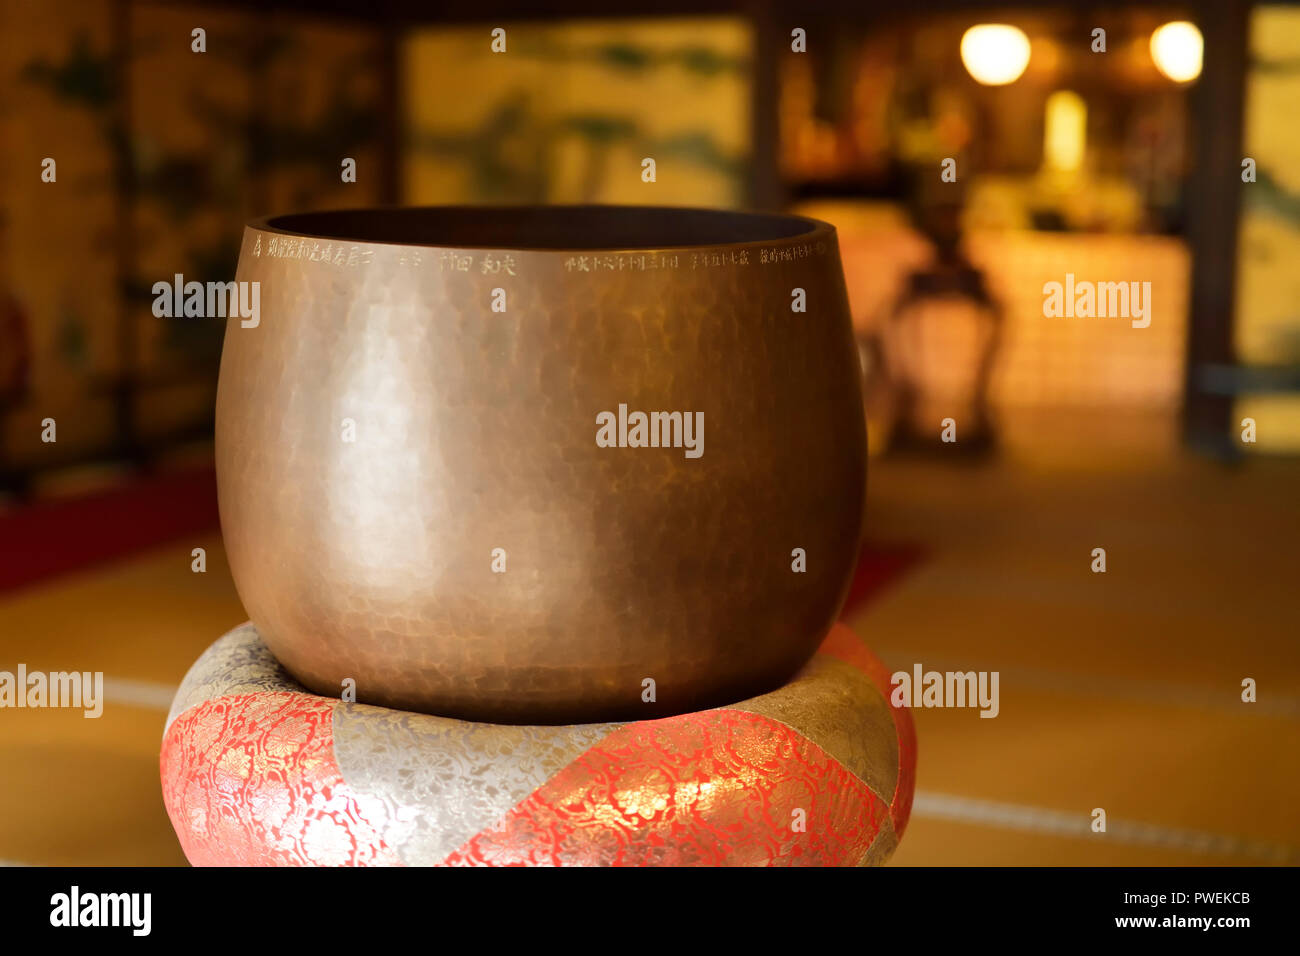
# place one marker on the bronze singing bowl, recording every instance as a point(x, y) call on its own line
point(474, 429)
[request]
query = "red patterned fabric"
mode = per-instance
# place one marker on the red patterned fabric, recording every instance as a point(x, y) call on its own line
point(648, 793)
point(251, 776)
point(251, 780)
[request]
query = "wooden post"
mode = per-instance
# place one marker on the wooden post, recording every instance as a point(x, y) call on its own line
point(765, 187)
point(393, 114)
point(124, 387)
point(1214, 193)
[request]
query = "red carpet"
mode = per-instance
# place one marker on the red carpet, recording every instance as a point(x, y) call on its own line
point(47, 539)
point(879, 566)
point(50, 538)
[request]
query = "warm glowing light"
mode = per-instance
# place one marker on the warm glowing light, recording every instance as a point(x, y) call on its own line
point(1065, 131)
point(995, 53)
point(1176, 48)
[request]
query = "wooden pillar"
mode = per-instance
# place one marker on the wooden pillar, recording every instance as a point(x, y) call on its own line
point(124, 387)
point(393, 128)
point(765, 188)
point(1214, 196)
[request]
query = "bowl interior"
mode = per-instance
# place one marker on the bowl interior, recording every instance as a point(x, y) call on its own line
point(545, 227)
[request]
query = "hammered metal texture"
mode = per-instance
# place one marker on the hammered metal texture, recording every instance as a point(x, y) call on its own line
point(475, 429)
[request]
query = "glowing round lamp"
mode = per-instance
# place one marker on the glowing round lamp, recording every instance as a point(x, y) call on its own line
point(995, 54)
point(1176, 49)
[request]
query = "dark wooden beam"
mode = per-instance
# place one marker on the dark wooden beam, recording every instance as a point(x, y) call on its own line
point(425, 12)
point(124, 192)
point(393, 117)
point(766, 190)
point(1214, 191)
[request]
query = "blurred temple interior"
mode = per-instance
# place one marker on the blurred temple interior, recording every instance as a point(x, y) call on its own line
point(965, 170)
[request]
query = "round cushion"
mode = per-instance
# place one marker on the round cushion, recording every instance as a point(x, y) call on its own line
point(258, 771)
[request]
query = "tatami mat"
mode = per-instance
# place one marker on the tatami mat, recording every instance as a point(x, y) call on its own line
point(1119, 691)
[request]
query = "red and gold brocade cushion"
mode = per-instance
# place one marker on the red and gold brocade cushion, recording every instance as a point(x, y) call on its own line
point(258, 771)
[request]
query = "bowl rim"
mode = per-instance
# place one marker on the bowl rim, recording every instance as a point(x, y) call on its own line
point(569, 216)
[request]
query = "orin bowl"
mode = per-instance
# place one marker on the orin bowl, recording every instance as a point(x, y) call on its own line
point(543, 465)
